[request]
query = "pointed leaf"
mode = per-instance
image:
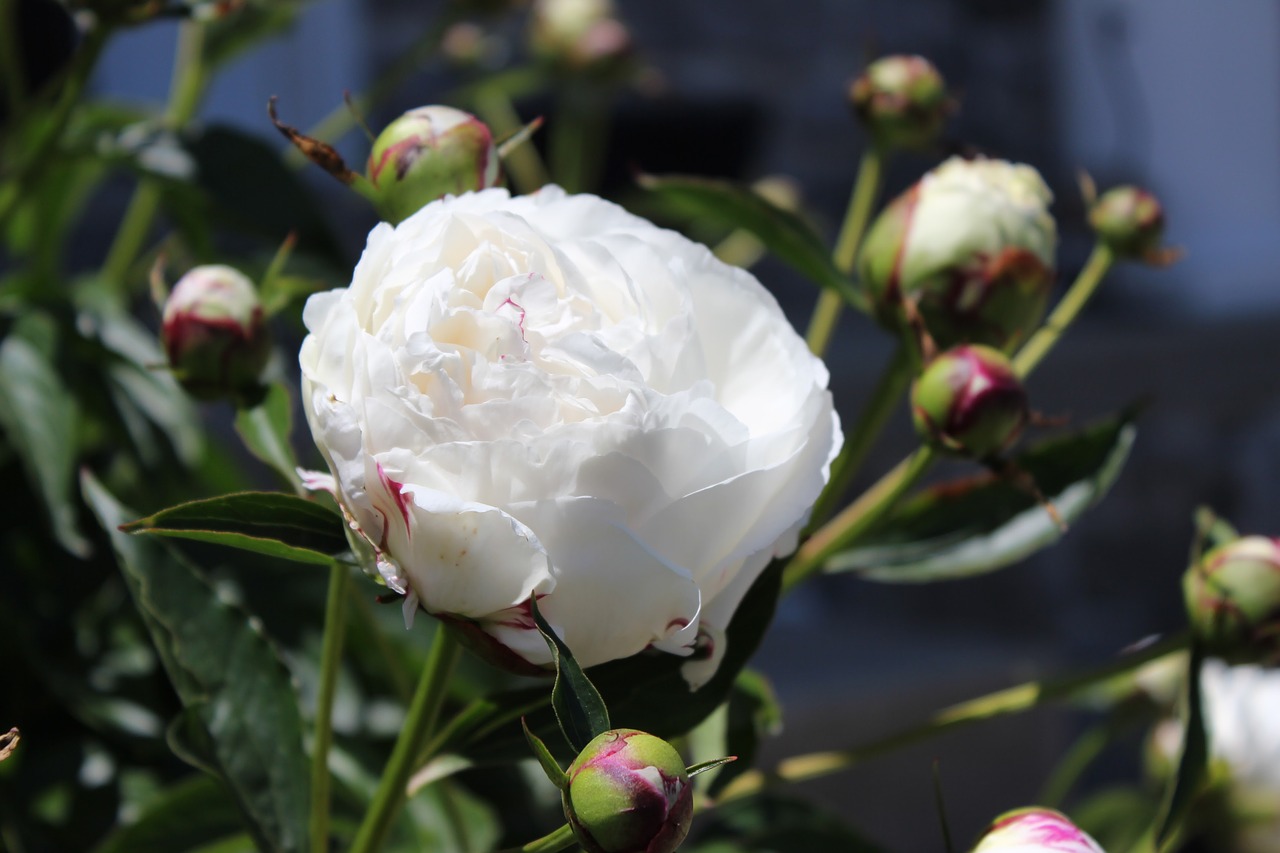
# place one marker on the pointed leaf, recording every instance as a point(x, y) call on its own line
point(981, 524)
point(579, 709)
point(185, 816)
point(242, 713)
point(270, 523)
point(753, 715)
point(786, 234)
point(1195, 754)
point(265, 430)
point(38, 414)
point(554, 771)
point(704, 766)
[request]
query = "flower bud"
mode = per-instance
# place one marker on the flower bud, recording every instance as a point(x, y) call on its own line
point(427, 153)
point(1233, 598)
point(969, 401)
point(1129, 220)
point(578, 33)
point(214, 333)
point(1035, 830)
point(902, 100)
point(971, 245)
point(628, 792)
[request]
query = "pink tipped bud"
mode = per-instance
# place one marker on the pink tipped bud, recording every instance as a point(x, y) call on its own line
point(902, 100)
point(1035, 830)
point(970, 402)
point(214, 333)
point(427, 153)
point(1233, 598)
point(579, 34)
point(628, 792)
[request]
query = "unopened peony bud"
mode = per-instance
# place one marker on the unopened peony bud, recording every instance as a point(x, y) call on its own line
point(971, 245)
point(1129, 220)
point(578, 33)
point(628, 792)
point(902, 100)
point(1233, 598)
point(1035, 830)
point(427, 153)
point(214, 333)
point(969, 401)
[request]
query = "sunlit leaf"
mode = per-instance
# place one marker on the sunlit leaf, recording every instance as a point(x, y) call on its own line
point(980, 524)
point(242, 714)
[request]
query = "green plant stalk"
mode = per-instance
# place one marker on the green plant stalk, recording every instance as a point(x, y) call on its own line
point(560, 839)
point(578, 134)
point(871, 422)
point(1002, 703)
point(400, 679)
point(40, 151)
point(419, 725)
point(185, 90)
point(330, 658)
point(862, 515)
point(1065, 312)
point(523, 164)
point(865, 189)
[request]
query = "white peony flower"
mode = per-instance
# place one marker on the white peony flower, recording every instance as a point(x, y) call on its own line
point(1035, 830)
point(548, 396)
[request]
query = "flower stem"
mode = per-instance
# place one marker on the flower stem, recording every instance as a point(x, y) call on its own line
point(871, 422)
point(1012, 700)
point(330, 657)
point(419, 725)
point(549, 843)
point(857, 518)
point(1066, 311)
point(185, 90)
point(523, 163)
point(865, 189)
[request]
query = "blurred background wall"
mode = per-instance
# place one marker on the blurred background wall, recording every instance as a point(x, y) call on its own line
point(1182, 96)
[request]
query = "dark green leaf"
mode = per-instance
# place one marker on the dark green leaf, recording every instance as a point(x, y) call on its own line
point(271, 523)
point(778, 824)
point(984, 523)
point(753, 714)
point(242, 712)
point(784, 233)
point(39, 418)
point(265, 430)
point(578, 705)
point(187, 815)
point(1194, 763)
point(554, 771)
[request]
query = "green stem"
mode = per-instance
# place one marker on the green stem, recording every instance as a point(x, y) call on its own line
point(330, 658)
point(871, 422)
point(185, 90)
point(857, 518)
point(401, 681)
point(523, 164)
point(561, 839)
point(419, 725)
point(1066, 311)
point(865, 189)
point(578, 131)
point(1012, 700)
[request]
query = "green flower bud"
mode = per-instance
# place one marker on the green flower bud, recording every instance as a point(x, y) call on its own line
point(427, 153)
point(214, 334)
point(902, 100)
point(969, 401)
point(1129, 220)
point(1233, 598)
point(971, 245)
point(628, 792)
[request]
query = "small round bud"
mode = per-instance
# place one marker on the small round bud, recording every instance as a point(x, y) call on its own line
point(971, 245)
point(1129, 220)
point(578, 34)
point(1035, 830)
point(902, 100)
point(1233, 598)
point(628, 792)
point(214, 333)
point(427, 153)
point(969, 401)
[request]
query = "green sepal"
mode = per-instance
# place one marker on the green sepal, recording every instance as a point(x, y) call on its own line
point(579, 708)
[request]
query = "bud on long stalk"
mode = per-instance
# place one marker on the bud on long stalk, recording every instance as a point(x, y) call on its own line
point(902, 100)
